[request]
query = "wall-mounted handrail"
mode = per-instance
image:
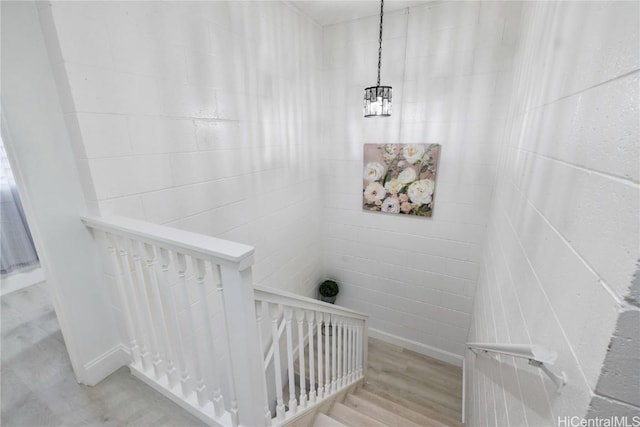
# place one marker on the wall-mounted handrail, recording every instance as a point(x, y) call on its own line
point(537, 356)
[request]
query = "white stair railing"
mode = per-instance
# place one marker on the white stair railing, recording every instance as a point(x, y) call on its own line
point(537, 355)
point(186, 304)
point(327, 344)
point(197, 331)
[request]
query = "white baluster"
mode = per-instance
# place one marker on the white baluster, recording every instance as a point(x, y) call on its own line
point(173, 326)
point(343, 353)
point(358, 349)
point(274, 313)
point(133, 297)
point(125, 303)
point(163, 336)
point(189, 330)
point(212, 375)
point(293, 404)
point(310, 315)
point(355, 350)
point(320, 319)
point(327, 354)
point(347, 349)
point(334, 366)
point(260, 308)
point(364, 340)
point(351, 350)
point(301, 359)
point(340, 351)
point(146, 310)
point(356, 329)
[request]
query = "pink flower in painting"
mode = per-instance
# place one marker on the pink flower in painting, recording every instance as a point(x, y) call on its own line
point(374, 192)
point(404, 198)
point(391, 205)
point(405, 207)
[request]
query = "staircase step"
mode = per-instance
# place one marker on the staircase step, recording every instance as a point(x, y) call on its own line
point(378, 412)
point(428, 412)
point(435, 420)
point(351, 417)
point(323, 420)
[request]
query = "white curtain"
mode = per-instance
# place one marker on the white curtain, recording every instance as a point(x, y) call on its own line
point(17, 251)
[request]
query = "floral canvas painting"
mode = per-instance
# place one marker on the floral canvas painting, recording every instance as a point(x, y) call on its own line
point(400, 178)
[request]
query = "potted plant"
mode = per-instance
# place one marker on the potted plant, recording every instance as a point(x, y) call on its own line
point(328, 291)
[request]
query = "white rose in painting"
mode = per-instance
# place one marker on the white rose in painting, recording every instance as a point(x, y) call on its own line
point(390, 152)
point(394, 186)
point(408, 175)
point(373, 171)
point(391, 149)
point(413, 152)
point(391, 205)
point(374, 192)
point(420, 192)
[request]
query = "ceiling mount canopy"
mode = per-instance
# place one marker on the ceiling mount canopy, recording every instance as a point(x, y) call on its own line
point(377, 99)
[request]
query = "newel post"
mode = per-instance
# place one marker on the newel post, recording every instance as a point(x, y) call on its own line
point(247, 363)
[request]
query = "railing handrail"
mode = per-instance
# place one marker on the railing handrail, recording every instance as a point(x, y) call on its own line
point(223, 252)
point(525, 351)
point(537, 355)
point(276, 296)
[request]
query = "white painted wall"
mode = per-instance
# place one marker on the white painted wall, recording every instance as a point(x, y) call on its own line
point(38, 147)
point(563, 236)
point(200, 116)
point(450, 67)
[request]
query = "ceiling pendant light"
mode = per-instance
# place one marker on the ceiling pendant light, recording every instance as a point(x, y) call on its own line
point(377, 99)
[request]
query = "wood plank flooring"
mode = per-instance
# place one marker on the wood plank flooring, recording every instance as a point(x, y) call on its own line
point(38, 387)
point(421, 380)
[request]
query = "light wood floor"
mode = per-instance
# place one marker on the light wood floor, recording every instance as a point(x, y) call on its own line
point(427, 382)
point(38, 386)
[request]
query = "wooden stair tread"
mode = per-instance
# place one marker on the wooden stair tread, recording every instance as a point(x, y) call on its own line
point(322, 420)
point(351, 417)
point(418, 390)
point(413, 406)
point(414, 416)
point(378, 412)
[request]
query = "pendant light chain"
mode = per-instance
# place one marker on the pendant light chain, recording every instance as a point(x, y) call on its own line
point(377, 99)
point(380, 40)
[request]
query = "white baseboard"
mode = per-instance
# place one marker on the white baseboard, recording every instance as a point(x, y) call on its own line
point(105, 364)
point(16, 281)
point(190, 404)
point(427, 350)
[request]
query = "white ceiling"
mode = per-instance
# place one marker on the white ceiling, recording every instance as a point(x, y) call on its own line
point(329, 12)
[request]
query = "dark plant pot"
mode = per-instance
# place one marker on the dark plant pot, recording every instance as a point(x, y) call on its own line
point(330, 300)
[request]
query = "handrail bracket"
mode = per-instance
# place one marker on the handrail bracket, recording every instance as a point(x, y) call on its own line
point(558, 379)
